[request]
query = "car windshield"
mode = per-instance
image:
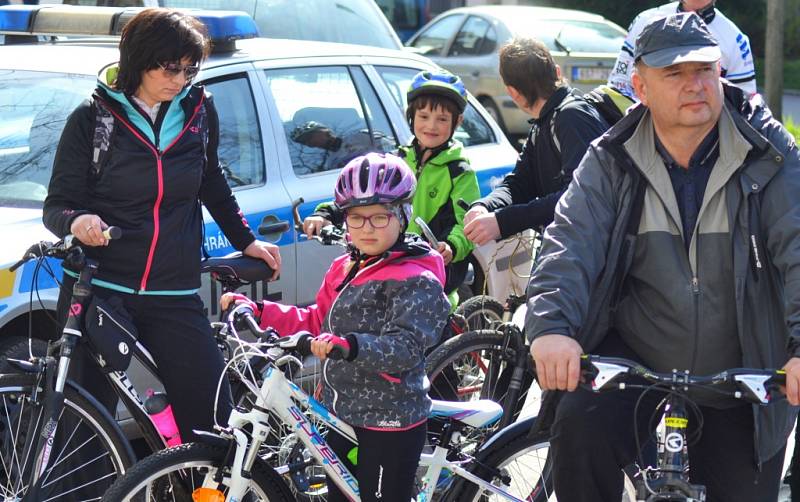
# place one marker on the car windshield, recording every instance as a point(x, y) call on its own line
point(571, 35)
point(344, 21)
point(33, 109)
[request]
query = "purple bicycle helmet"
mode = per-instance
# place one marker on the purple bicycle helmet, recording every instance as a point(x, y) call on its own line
point(374, 178)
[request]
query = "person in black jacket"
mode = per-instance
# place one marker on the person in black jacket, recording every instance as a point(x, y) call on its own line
point(563, 125)
point(158, 150)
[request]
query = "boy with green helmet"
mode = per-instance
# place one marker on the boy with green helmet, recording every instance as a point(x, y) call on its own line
point(436, 104)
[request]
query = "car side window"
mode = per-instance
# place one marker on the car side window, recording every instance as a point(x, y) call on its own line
point(433, 40)
point(470, 38)
point(326, 121)
point(241, 153)
point(474, 130)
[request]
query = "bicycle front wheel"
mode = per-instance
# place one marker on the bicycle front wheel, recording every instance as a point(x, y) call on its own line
point(88, 451)
point(177, 473)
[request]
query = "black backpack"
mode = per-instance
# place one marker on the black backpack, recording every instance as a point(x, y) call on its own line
point(609, 103)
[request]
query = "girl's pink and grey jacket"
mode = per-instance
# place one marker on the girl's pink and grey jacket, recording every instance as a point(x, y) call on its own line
point(390, 311)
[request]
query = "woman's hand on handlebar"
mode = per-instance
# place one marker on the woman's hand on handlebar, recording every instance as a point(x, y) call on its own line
point(313, 224)
point(88, 228)
point(557, 360)
point(270, 253)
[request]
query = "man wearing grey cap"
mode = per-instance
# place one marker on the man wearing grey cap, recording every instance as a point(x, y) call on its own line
point(677, 244)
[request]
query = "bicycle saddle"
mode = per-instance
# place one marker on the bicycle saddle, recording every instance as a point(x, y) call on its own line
point(479, 413)
point(237, 267)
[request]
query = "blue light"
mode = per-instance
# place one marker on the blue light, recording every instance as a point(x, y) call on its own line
point(227, 26)
point(16, 18)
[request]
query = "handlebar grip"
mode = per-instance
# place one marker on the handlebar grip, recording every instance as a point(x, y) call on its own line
point(779, 378)
point(112, 233)
point(304, 344)
point(463, 204)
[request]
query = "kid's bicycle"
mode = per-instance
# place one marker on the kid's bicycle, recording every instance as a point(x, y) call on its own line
point(228, 467)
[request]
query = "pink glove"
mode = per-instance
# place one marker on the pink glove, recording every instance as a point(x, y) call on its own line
point(341, 347)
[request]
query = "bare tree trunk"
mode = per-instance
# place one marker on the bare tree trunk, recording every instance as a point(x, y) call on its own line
point(774, 56)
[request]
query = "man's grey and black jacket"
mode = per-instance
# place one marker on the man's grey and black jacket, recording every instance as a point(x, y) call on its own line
point(615, 257)
point(527, 197)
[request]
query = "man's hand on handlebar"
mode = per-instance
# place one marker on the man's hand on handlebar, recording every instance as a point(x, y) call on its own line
point(313, 224)
point(792, 387)
point(270, 253)
point(88, 228)
point(557, 360)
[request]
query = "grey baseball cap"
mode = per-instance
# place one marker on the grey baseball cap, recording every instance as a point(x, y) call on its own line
point(679, 38)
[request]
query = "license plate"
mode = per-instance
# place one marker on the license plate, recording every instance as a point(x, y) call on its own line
point(597, 74)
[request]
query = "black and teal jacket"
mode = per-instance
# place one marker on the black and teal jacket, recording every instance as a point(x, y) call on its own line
point(151, 184)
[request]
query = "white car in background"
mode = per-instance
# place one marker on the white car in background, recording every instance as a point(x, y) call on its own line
point(466, 41)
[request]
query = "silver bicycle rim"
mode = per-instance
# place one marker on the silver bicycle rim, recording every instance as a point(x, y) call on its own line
point(524, 468)
point(199, 471)
point(13, 487)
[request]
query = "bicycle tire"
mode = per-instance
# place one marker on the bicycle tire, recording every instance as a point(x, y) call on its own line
point(522, 458)
point(481, 312)
point(196, 461)
point(88, 453)
point(459, 367)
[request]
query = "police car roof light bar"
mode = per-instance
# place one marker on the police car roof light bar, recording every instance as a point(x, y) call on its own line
point(224, 27)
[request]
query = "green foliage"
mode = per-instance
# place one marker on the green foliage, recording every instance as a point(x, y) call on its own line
point(794, 129)
point(791, 73)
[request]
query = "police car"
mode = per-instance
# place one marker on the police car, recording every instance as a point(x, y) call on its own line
point(265, 92)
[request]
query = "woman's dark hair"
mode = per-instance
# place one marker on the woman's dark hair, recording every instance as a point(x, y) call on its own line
point(158, 36)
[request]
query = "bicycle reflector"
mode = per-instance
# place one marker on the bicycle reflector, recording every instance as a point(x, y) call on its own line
point(224, 27)
point(207, 495)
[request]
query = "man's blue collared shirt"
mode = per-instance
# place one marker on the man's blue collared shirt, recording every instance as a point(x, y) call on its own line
point(690, 184)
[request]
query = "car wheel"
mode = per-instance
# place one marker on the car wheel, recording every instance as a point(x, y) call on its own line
point(487, 103)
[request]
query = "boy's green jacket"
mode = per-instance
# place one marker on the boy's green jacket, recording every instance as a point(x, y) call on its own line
point(445, 178)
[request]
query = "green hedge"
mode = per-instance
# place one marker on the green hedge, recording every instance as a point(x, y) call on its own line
point(793, 128)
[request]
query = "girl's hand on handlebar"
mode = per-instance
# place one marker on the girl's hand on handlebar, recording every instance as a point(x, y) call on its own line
point(88, 228)
point(270, 253)
point(325, 343)
point(229, 299)
point(557, 360)
point(313, 224)
point(792, 388)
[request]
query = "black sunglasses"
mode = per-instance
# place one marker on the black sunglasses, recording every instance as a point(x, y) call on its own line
point(173, 69)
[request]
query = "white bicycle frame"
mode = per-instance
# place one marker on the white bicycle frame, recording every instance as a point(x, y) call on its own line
point(287, 401)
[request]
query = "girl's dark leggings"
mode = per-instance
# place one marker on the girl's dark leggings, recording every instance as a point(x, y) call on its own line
point(386, 463)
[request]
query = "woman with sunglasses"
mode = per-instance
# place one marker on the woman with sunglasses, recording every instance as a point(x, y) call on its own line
point(141, 155)
point(382, 305)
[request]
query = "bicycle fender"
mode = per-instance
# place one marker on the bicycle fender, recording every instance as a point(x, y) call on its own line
point(106, 415)
point(505, 436)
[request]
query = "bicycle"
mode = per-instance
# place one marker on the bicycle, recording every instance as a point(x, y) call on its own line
point(669, 479)
point(48, 423)
point(227, 467)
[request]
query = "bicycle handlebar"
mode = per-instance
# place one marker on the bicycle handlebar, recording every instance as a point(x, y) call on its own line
point(757, 386)
point(60, 248)
point(243, 315)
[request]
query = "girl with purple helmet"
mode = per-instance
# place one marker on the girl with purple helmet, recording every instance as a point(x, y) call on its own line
point(382, 305)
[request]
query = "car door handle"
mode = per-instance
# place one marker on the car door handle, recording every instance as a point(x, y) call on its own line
point(270, 225)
